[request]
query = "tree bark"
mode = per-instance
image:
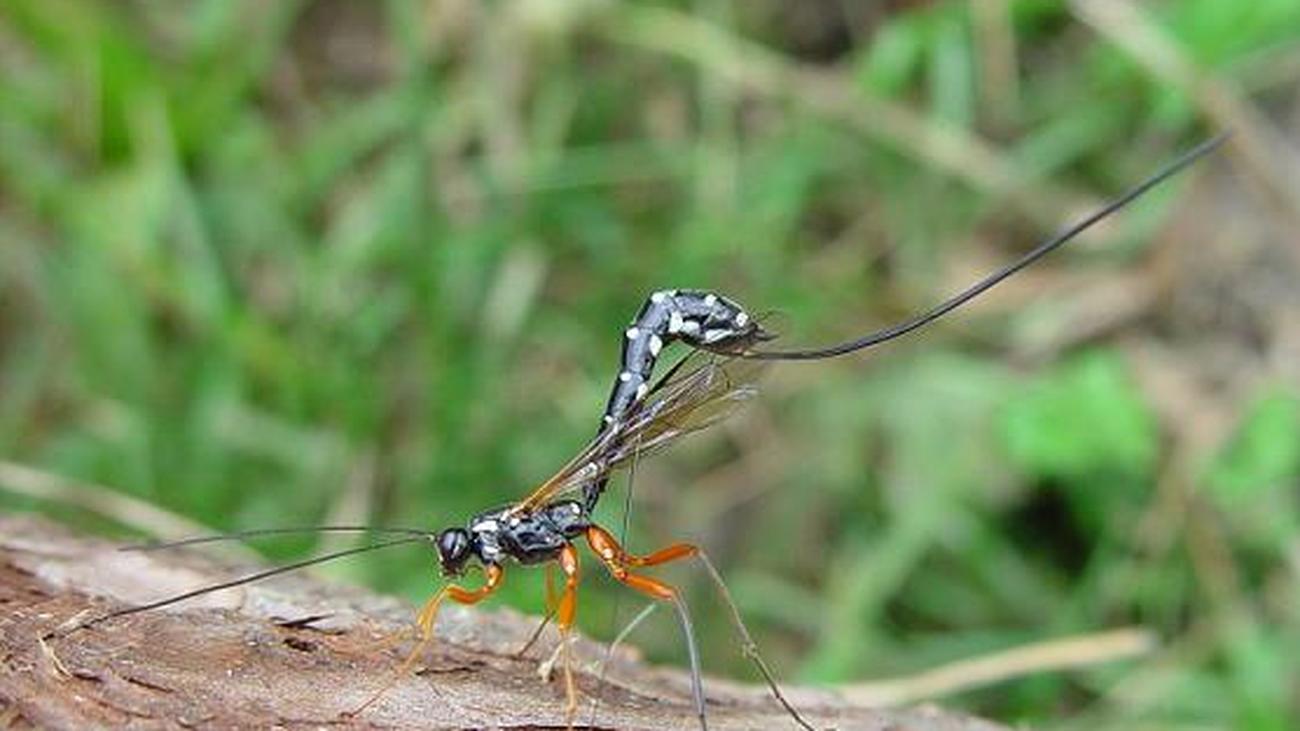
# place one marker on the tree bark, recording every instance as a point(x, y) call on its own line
point(296, 652)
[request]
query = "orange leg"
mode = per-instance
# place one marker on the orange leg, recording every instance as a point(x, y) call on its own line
point(674, 552)
point(565, 611)
point(424, 621)
point(617, 560)
point(613, 555)
point(567, 608)
point(363, 647)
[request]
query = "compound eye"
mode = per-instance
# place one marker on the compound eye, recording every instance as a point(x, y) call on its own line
point(452, 546)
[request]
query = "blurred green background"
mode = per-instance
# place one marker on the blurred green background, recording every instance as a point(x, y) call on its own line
point(288, 262)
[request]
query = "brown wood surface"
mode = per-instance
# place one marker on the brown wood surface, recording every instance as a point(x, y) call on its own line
point(254, 657)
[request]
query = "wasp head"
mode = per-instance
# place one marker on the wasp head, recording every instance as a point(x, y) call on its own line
point(454, 550)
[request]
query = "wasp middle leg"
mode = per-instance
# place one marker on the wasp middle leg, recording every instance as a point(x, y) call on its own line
point(565, 612)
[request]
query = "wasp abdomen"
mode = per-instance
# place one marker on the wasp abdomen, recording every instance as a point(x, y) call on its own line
point(699, 318)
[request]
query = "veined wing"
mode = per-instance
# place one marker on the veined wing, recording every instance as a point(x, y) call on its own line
point(698, 392)
point(683, 404)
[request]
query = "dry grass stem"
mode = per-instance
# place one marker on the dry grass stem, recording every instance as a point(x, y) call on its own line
point(1071, 653)
point(1262, 150)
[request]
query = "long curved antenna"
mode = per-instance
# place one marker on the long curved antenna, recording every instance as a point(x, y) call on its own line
point(983, 285)
point(260, 532)
point(268, 573)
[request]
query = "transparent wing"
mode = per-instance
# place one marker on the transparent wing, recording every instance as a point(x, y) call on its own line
point(687, 401)
point(698, 392)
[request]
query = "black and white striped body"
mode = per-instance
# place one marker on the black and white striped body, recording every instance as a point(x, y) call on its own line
point(698, 318)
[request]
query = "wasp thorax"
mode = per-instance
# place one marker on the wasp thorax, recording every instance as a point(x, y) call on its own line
point(453, 550)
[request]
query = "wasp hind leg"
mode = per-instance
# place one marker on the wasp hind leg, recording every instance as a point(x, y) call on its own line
point(424, 622)
point(618, 560)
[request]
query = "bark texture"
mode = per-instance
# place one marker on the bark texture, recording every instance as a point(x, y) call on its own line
point(295, 652)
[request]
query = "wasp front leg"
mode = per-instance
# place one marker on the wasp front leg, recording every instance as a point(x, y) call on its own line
point(425, 620)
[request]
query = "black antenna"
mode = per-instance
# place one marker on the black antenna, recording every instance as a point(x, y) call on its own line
point(993, 279)
point(268, 573)
point(260, 532)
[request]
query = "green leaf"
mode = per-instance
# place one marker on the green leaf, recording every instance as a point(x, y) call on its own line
point(1264, 453)
point(895, 55)
point(1082, 419)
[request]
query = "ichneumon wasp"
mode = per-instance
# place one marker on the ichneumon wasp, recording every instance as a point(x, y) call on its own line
point(640, 418)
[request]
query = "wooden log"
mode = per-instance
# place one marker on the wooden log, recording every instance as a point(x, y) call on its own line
point(295, 652)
